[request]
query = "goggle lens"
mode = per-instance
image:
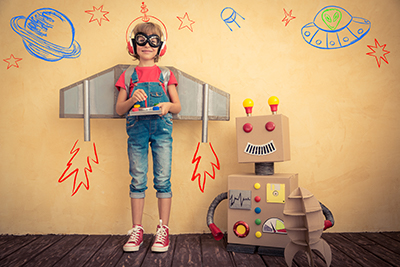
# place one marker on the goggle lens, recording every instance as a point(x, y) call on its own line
point(142, 39)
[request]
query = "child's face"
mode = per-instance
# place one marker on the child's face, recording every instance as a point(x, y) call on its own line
point(147, 45)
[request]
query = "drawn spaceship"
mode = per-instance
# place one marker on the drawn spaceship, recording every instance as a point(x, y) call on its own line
point(304, 222)
point(333, 27)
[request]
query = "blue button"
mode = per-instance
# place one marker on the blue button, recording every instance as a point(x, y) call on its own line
point(156, 108)
point(257, 210)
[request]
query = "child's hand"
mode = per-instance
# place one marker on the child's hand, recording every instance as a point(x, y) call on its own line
point(138, 96)
point(164, 107)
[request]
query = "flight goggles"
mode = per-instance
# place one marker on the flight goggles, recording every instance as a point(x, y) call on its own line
point(142, 39)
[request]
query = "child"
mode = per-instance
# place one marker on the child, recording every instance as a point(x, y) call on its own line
point(147, 87)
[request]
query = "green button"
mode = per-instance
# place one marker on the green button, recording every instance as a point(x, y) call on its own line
point(258, 221)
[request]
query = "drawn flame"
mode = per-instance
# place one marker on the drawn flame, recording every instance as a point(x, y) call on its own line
point(75, 172)
point(202, 182)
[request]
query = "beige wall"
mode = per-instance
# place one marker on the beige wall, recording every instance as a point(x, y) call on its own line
point(343, 111)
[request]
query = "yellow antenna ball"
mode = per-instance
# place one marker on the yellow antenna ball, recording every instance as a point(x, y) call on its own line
point(248, 106)
point(248, 103)
point(273, 100)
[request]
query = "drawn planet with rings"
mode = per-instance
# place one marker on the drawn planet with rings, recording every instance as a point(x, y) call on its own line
point(47, 34)
point(333, 27)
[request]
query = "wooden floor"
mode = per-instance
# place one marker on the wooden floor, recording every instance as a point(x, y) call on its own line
point(348, 249)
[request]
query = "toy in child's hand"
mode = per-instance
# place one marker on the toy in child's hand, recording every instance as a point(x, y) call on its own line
point(138, 111)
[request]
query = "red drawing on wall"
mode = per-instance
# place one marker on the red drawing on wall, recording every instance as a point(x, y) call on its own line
point(288, 17)
point(145, 18)
point(97, 14)
point(67, 173)
point(186, 22)
point(196, 159)
point(379, 52)
point(12, 61)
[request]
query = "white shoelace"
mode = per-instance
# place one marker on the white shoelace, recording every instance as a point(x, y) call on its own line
point(134, 233)
point(161, 233)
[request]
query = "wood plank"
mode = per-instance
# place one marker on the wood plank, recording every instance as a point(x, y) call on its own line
point(214, 252)
point(56, 252)
point(5, 238)
point(394, 235)
point(382, 250)
point(348, 249)
point(110, 253)
point(187, 251)
point(160, 259)
point(275, 261)
point(347, 253)
point(15, 243)
point(82, 253)
point(301, 259)
point(358, 239)
point(136, 258)
point(29, 251)
point(244, 259)
point(383, 240)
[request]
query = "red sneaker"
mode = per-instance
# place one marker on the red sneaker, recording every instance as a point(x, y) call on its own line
point(161, 242)
point(135, 239)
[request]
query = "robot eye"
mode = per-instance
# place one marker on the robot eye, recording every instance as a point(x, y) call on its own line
point(270, 126)
point(247, 127)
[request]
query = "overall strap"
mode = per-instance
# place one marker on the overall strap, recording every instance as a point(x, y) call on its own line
point(128, 74)
point(166, 73)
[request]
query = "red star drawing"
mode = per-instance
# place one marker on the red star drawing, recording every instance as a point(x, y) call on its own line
point(288, 17)
point(186, 22)
point(378, 53)
point(12, 61)
point(97, 14)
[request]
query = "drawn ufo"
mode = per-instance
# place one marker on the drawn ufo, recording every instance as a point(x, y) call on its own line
point(333, 27)
point(47, 34)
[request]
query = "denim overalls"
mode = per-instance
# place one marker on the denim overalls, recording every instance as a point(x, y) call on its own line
point(155, 130)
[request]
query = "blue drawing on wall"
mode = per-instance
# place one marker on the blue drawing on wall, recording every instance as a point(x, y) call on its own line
point(47, 34)
point(231, 17)
point(333, 27)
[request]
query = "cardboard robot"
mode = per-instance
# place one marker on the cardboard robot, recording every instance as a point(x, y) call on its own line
point(256, 200)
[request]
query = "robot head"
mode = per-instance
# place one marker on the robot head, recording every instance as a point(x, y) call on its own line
point(262, 138)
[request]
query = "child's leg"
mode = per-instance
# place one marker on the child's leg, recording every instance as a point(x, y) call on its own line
point(137, 205)
point(164, 209)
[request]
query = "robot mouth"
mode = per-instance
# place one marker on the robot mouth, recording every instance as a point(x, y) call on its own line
point(260, 150)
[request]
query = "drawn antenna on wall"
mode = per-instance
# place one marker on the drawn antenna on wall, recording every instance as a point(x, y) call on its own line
point(96, 97)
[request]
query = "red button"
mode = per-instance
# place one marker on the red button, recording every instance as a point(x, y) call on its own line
point(247, 127)
point(257, 199)
point(270, 126)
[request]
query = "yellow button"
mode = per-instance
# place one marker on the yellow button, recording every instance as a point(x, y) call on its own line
point(258, 234)
point(241, 229)
point(257, 186)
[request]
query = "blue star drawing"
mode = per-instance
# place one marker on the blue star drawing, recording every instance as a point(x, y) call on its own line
point(47, 34)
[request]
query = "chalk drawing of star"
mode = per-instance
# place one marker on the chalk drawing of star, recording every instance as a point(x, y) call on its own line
point(288, 17)
point(97, 14)
point(378, 53)
point(186, 22)
point(12, 61)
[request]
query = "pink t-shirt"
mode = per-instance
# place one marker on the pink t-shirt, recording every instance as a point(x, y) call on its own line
point(145, 74)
